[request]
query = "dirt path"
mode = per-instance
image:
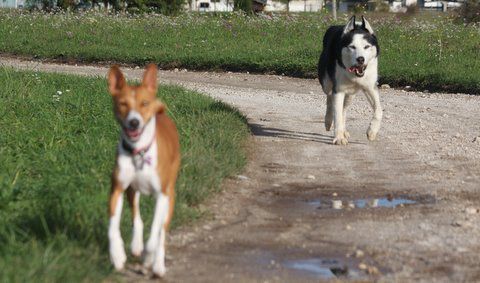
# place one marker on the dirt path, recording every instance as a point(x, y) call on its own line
point(278, 222)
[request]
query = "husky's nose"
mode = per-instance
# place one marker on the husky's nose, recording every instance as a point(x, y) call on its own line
point(361, 60)
point(133, 124)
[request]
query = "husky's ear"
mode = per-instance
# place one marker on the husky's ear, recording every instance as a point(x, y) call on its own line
point(116, 80)
point(350, 25)
point(150, 78)
point(366, 25)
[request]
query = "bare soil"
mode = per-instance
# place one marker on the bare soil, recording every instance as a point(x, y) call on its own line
point(297, 212)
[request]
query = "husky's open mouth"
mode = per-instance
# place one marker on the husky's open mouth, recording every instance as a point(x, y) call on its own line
point(359, 70)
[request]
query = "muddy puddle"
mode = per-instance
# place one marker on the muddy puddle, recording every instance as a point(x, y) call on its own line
point(361, 203)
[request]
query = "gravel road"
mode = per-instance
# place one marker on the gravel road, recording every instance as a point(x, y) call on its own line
point(403, 208)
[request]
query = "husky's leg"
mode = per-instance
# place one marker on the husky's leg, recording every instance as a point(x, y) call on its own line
point(327, 87)
point(137, 239)
point(338, 101)
point(117, 252)
point(346, 103)
point(329, 113)
point(374, 98)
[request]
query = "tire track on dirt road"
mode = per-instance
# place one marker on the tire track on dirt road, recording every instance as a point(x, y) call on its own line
point(276, 222)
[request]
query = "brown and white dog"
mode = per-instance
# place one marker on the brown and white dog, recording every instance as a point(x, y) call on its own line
point(147, 162)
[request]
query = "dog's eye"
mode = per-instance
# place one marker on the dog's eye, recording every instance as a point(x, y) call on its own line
point(145, 103)
point(366, 47)
point(351, 47)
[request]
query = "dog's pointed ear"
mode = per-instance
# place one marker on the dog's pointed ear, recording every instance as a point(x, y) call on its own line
point(116, 80)
point(366, 25)
point(350, 25)
point(150, 78)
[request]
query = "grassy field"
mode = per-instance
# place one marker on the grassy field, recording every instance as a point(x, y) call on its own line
point(425, 52)
point(57, 151)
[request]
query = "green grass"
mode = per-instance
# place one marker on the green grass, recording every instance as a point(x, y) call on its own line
point(426, 52)
point(57, 152)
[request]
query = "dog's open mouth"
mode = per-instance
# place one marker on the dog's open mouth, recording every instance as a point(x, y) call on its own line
point(133, 134)
point(359, 70)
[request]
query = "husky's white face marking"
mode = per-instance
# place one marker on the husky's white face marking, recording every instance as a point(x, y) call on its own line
point(358, 54)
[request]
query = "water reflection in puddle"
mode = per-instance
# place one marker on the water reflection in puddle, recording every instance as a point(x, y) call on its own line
point(361, 203)
point(315, 266)
point(322, 268)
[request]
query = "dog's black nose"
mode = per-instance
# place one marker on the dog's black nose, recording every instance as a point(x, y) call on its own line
point(133, 124)
point(360, 60)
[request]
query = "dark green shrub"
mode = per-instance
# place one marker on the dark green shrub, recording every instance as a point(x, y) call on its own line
point(469, 12)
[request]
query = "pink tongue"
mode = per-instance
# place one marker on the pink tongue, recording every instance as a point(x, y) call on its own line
point(133, 133)
point(352, 69)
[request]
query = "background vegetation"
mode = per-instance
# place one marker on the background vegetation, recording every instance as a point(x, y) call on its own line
point(430, 52)
point(57, 151)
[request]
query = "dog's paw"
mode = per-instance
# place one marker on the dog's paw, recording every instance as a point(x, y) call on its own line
point(148, 259)
point(159, 270)
point(371, 135)
point(340, 140)
point(137, 247)
point(118, 256)
point(346, 134)
point(328, 125)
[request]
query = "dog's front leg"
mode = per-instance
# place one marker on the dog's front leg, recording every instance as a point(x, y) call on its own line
point(348, 100)
point(137, 239)
point(117, 252)
point(373, 98)
point(338, 101)
point(155, 250)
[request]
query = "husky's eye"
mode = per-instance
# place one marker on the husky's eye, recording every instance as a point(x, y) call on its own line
point(145, 103)
point(352, 47)
point(368, 46)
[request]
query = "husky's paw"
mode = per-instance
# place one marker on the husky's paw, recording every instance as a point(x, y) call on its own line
point(328, 124)
point(371, 135)
point(340, 140)
point(117, 255)
point(346, 134)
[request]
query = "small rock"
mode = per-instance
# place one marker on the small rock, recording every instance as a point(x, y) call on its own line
point(276, 185)
point(311, 177)
point(242, 177)
point(373, 270)
point(351, 204)
point(445, 115)
point(334, 194)
point(471, 210)
point(460, 223)
point(457, 135)
point(348, 227)
point(385, 86)
point(359, 253)
point(362, 266)
point(476, 139)
point(207, 227)
point(408, 87)
point(337, 204)
point(175, 70)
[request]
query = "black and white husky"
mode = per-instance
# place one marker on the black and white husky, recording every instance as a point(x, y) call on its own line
point(348, 64)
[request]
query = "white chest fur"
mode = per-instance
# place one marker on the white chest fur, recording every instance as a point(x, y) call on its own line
point(138, 171)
